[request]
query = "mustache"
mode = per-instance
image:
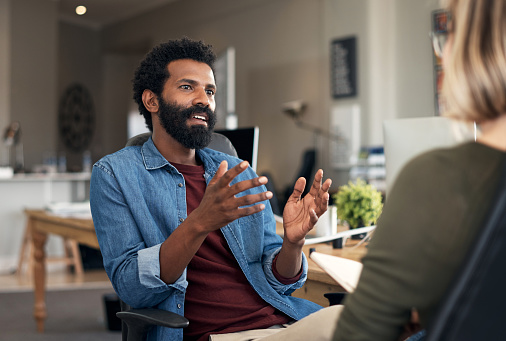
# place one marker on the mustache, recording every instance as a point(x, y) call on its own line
point(189, 112)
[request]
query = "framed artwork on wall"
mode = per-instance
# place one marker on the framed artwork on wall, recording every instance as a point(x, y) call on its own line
point(439, 27)
point(343, 67)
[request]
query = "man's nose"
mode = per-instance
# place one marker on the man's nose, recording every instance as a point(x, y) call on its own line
point(201, 98)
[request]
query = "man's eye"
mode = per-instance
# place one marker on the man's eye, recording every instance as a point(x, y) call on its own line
point(186, 87)
point(210, 92)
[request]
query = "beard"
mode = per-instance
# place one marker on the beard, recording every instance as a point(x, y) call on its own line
point(174, 118)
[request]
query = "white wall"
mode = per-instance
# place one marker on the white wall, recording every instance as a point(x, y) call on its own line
point(414, 81)
point(5, 41)
point(80, 61)
point(33, 67)
point(118, 74)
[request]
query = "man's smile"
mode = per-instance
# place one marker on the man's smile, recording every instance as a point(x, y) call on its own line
point(199, 118)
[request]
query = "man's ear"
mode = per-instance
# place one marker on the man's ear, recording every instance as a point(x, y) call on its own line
point(150, 101)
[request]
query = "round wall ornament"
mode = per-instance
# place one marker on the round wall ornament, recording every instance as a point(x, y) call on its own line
point(76, 119)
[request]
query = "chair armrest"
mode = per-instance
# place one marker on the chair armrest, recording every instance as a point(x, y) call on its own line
point(140, 321)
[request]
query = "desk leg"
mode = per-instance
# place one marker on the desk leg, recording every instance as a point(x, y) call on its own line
point(39, 274)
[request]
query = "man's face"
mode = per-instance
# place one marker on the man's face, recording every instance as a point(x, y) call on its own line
point(175, 119)
point(186, 106)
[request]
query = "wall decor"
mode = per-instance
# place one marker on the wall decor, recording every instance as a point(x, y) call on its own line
point(343, 68)
point(439, 27)
point(76, 118)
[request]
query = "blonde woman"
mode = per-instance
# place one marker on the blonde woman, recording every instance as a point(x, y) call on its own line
point(440, 200)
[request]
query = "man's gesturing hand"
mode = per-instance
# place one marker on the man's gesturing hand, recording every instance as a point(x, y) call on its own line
point(220, 205)
point(301, 214)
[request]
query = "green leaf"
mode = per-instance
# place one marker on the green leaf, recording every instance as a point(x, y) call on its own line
point(358, 203)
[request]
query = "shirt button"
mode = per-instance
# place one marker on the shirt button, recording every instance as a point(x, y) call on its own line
point(181, 220)
point(180, 185)
point(179, 305)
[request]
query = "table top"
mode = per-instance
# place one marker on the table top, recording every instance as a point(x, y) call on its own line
point(350, 251)
point(81, 230)
point(44, 215)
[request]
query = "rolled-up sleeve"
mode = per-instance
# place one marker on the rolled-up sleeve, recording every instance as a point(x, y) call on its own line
point(284, 289)
point(132, 266)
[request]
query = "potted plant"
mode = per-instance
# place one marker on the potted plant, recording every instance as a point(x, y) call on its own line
point(358, 204)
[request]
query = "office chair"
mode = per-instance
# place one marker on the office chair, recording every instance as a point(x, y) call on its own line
point(275, 205)
point(218, 142)
point(306, 170)
point(474, 306)
point(136, 323)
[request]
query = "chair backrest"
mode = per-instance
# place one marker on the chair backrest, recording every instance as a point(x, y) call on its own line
point(474, 306)
point(218, 142)
point(306, 170)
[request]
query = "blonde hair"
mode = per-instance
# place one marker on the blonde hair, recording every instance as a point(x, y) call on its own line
point(474, 84)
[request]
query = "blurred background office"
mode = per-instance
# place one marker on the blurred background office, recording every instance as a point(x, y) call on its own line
point(65, 81)
point(282, 53)
point(65, 85)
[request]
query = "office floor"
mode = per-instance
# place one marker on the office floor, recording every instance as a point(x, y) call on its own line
point(58, 278)
point(75, 306)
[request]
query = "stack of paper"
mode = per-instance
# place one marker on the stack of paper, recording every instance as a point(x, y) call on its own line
point(71, 209)
point(6, 172)
point(344, 271)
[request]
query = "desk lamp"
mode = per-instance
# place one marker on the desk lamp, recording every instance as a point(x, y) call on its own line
point(295, 110)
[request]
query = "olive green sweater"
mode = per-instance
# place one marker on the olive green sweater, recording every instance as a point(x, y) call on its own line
point(435, 210)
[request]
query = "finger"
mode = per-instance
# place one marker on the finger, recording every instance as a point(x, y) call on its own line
point(326, 185)
point(248, 184)
point(227, 178)
point(222, 169)
point(245, 211)
point(298, 189)
point(317, 183)
point(323, 192)
point(250, 199)
point(313, 218)
point(322, 200)
point(322, 205)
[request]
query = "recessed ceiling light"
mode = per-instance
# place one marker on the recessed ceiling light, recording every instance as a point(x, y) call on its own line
point(80, 10)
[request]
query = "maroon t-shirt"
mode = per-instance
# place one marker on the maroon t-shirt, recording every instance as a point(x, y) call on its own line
point(219, 298)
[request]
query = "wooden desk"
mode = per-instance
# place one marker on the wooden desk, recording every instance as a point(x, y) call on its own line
point(41, 224)
point(318, 281)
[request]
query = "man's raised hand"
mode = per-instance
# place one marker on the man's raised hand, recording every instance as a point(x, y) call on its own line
point(301, 214)
point(221, 205)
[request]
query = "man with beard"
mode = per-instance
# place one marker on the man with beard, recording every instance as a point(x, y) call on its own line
point(188, 229)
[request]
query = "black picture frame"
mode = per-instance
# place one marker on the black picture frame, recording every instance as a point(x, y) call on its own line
point(343, 66)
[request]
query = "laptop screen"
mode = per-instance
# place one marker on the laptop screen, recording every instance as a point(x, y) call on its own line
point(245, 141)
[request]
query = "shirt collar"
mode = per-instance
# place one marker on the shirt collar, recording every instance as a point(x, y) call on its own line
point(151, 156)
point(154, 160)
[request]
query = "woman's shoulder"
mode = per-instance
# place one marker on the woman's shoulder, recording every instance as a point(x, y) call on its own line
point(440, 159)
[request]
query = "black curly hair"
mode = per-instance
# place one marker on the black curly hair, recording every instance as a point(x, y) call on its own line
point(152, 72)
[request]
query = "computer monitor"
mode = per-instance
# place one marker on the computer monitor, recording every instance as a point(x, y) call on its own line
point(245, 141)
point(407, 137)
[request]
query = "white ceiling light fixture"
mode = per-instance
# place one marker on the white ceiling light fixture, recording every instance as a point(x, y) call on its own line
point(80, 10)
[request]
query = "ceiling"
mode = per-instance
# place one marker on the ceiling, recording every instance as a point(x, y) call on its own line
point(104, 12)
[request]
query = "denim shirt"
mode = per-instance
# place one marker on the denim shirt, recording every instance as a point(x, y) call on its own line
point(138, 199)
